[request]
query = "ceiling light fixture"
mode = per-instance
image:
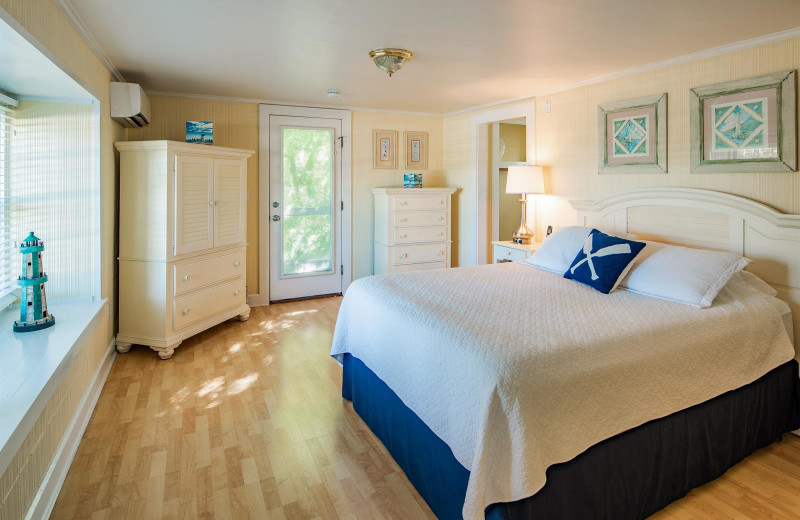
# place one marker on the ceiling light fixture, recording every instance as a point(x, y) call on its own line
point(390, 60)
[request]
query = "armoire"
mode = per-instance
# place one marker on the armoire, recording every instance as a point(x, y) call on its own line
point(182, 241)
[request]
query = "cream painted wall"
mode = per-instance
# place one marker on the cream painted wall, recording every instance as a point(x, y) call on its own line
point(19, 484)
point(365, 177)
point(566, 139)
point(235, 126)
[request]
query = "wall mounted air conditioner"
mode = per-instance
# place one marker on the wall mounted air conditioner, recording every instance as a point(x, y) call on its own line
point(129, 105)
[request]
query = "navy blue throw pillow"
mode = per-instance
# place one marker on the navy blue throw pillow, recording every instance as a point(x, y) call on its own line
point(603, 261)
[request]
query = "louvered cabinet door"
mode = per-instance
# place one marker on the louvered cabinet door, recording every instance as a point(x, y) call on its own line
point(230, 201)
point(194, 183)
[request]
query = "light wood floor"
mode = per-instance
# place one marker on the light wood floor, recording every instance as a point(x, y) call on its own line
point(246, 421)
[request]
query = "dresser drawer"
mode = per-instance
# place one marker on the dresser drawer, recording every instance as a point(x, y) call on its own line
point(420, 234)
point(195, 307)
point(416, 202)
point(194, 274)
point(419, 267)
point(419, 253)
point(507, 253)
point(428, 218)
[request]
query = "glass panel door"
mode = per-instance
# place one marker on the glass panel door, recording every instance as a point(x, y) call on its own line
point(305, 191)
point(308, 201)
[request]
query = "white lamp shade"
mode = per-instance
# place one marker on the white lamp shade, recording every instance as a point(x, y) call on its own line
point(525, 178)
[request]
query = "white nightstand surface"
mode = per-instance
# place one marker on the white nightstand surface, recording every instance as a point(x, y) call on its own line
point(508, 251)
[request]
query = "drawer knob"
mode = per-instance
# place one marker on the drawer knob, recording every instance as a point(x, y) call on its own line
point(440, 253)
point(236, 292)
point(404, 203)
point(441, 218)
point(441, 233)
point(403, 236)
point(186, 311)
point(403, 219)
point(186, 277)
point(404, 255)
point(236, 263)
point(441, 202)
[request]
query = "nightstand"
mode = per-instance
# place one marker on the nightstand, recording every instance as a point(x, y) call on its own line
point(507, 251)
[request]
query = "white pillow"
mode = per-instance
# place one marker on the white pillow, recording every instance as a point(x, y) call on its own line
point(682, 274)
point(753, 282)
point(558, 251)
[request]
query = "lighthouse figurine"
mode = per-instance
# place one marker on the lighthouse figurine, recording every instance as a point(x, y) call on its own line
point(33, 313)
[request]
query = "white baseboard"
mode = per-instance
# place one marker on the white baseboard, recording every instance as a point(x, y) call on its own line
point(255, 300)
point(45, 498)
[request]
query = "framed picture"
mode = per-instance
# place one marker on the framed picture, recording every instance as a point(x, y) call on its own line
point(745, 126)
point(384, 149)
point(633, 136)
point(417, 150)
point(201, 132)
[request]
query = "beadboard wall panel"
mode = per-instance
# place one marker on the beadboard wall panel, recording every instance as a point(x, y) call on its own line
point(566, 141)
point(235, 126)
point(365, 177)
point(567, 137)
point(20, 482)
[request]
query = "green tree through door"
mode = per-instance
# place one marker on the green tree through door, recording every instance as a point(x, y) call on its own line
point(307, 199)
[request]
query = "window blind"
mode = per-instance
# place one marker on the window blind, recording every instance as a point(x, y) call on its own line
point(50, 189)
point(7, 284)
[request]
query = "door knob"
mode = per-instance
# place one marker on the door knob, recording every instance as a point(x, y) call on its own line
point(276, 218)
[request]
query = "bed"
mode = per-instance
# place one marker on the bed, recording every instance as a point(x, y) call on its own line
point(505, 391)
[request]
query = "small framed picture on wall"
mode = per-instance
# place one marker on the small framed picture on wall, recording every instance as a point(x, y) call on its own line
point(384, 149)
point(416, 150)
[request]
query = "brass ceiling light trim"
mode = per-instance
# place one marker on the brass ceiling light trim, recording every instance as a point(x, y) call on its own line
point(390, 60)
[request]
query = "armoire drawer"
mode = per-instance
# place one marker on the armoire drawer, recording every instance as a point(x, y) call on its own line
point(194, 274)
point(415, 202)
point(195, 307)
point(428, 218)
point(419, 253)
point(420, 234)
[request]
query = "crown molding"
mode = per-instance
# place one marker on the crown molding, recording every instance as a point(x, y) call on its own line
point(677, 60)
point(69, 12)
point(258, 101)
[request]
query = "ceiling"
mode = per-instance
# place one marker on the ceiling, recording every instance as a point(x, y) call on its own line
point(466, 52)
point(26, 73)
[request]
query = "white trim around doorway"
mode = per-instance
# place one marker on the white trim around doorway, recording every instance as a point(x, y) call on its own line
point(264, 113)
point(479, 165)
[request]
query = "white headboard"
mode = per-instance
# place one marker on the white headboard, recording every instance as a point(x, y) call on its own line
point(711, 220)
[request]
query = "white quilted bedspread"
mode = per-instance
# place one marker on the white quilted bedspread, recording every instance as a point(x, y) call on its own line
point(517, 369)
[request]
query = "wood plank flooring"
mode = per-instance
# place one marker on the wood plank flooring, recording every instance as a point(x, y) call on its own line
point(246, 421)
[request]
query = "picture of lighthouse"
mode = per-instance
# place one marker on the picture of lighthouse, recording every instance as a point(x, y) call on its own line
point(33, 313)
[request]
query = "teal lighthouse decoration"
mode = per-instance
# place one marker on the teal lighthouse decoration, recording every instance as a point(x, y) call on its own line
point(33, 313)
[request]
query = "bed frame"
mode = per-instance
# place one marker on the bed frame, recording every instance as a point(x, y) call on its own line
point(710, 220)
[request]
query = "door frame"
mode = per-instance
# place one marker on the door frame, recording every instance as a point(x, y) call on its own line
point(264, 112)
point(479, 167)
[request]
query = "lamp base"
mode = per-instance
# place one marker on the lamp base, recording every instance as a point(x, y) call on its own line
point(519, 238)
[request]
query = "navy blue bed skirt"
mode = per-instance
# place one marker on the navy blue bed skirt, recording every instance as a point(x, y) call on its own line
point(629, 476)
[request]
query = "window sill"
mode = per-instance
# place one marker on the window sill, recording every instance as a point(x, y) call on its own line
point(32, 365)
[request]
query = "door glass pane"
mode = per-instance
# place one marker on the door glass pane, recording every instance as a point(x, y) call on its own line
point(308, 201)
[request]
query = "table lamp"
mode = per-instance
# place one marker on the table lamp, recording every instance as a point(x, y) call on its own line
point(524, 179)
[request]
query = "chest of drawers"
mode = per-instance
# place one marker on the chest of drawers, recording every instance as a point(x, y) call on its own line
point(412, 229)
